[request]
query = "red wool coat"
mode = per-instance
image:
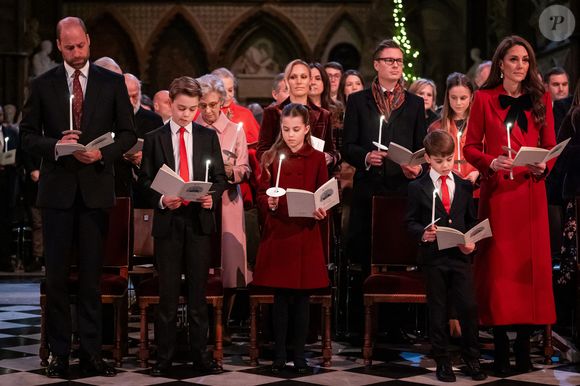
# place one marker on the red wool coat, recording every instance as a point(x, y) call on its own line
point(291, 253)
point(513, 271)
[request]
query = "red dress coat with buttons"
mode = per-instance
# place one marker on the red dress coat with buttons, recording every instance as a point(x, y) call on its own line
point(291, 253)
point(513, 271)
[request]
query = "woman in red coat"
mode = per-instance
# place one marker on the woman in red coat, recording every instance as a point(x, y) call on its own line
point(291, 257)
point(513, 272)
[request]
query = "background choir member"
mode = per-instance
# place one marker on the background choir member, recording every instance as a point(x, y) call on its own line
point(482, 73)
point(426, 89)
point(162, 105)
point(297, 76)
point(76, 190)
point(513, 271)
point(182, 229)
point(291, 255)
point(334, 71)
point(279, 89)
point(351, 82)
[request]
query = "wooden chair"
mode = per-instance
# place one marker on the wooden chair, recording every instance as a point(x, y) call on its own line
point(148, 294)
point(113, 282)
point(392, 247)
point(262, 295)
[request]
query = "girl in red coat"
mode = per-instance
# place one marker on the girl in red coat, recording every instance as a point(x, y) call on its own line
point(513, 272)
point(291, 257)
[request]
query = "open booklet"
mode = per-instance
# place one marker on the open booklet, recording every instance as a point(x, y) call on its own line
point(317, 143)
point(302, 203)
point(8, 158)
point(63, 149)
point(528, 155)
point(137, 147)
point(450, 237)
point(404, 156)
point(169, 183)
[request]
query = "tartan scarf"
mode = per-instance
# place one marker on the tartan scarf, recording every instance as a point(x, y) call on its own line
point(388, 101)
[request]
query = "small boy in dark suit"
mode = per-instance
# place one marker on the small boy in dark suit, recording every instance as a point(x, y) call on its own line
point(448, 271)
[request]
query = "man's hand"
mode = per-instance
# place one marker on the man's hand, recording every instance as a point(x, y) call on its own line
point(430, 234)
point(466, 249)
point(88, 157)
point(376, 157)
point(319, 214)
point(35, 175)
point(69, 138)
point(411, 172)
point(171, 202)
point(206, 201)
point(135, 159)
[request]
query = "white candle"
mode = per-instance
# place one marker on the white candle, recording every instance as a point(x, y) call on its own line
point(282, 156)
point(435, 191)
point(459, 151)
point(508, 126)
point(71, 111)
point(240, 125)
point(207, 169)
point(380, 131)
point(6, 144)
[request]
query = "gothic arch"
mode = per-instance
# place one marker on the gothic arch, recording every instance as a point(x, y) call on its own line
point(111, 36)
point(339, 20)
point(176, 48)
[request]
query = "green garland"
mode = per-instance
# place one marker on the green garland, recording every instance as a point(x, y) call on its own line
point(409, 55)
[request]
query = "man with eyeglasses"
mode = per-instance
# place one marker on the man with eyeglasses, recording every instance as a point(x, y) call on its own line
point(404, 124)
point(334, 70)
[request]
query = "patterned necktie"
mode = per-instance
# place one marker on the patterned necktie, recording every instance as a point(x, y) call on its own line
point(183, 165)
point(445, 193)
point(77, 100)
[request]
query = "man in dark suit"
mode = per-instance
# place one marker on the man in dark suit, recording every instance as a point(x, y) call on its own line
point(182, 229)
point(447, 271)
point(76, 190)
point(375, 174)
point(128, 167)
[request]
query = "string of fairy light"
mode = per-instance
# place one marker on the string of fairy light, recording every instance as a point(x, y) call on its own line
point(409, 54)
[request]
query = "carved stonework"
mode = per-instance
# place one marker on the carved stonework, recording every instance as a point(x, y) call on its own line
point(216, 18)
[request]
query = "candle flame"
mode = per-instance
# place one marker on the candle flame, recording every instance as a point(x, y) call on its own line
point(72, 97)
point(509, 125)
point(382, 118)
point(282, 156)
point(208, 162)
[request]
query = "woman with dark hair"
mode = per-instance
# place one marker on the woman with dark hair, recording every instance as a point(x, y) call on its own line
point(513, 270)
point(351, 82)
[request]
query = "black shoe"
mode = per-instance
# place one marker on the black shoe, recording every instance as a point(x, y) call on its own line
point(524, 366)
point(473, 369)
point(501, 368)
point(301, 366)
point(160, 369)
point(207, 367)
point(96, 367)
point(278, 366)
point(58, 368)
point(445, 372)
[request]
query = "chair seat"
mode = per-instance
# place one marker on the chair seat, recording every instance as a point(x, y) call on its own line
point(264, 291)
point(150, 287)
point(111, 284)
point(395, 283)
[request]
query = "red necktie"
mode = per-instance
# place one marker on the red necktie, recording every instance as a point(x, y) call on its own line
point(445, 194)
point(183, 166)
point(77, 101)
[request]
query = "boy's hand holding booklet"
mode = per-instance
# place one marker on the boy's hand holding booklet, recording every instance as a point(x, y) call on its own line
point(450, 237)
point(528, 155)
point(302, 203)
point(404, 156)
point(169, 183)
point(63, 149)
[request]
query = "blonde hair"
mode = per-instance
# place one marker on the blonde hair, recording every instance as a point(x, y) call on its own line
point(417, 85)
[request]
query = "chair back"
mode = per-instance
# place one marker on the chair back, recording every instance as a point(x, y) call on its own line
point(391, 242)
point(117, 247)
point(142, 238)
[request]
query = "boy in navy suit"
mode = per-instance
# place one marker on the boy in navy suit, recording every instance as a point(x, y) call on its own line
point(446, 271)
point(182, 229)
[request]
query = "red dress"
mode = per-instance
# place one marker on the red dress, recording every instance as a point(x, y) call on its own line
point(291, 254)
point(513, 270)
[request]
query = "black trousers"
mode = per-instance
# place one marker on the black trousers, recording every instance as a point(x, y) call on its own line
point(301, 319)
point(186, 251)
point(451, 279)
point(82, 229)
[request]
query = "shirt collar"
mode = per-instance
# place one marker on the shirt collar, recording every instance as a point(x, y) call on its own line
point(71, 71)
point(175, 127)
point(220, 124)
point(435, 176)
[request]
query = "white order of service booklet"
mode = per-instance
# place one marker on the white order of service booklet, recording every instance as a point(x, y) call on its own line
point(529, 155)
point(169, 183)
point(302, 203)
point(63, 149)
point(450, 237)
point(8, 158)
point(404, 156)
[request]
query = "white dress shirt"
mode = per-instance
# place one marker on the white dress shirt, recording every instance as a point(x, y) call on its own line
point(187, 136)
point(83, 78)
point(435, 177)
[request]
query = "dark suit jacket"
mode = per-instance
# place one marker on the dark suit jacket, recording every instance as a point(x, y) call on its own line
point(158, 150)
point(106, 107)
point(555, 180)
point(569, 160)
point(406, 127)
point(462, 216)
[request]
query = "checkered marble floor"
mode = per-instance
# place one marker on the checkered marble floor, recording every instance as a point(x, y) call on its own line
point(20, 365)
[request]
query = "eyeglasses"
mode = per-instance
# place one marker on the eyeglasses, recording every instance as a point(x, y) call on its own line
point(334, 76)
point(391, 61)
point(211, 105)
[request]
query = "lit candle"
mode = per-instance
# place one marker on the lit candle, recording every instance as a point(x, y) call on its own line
point(71, 111)
point(508, 127)
point(282, 156)
point(240, 125)
point(6, 139)
point(459, 151)
point(207, 169)
point(435, 191)
point(381, 120)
